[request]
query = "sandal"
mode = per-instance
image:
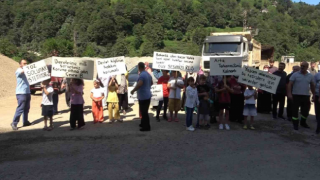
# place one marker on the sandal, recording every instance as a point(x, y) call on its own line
point(49, 128)
point(45, 128)
point(176, 120)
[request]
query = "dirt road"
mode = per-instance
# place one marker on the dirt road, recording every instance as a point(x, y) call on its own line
point(120, 151)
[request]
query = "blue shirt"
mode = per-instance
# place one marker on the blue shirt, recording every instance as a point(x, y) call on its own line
point(22, 83)
point(144, 92)
point(317, 83)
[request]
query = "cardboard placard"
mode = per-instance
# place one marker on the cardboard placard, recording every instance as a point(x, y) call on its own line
point(225, 66)
point(176, 62)
point(78, 68)
point(111, 66)
point(36, 72)
point(259, 79)
point(156, 92)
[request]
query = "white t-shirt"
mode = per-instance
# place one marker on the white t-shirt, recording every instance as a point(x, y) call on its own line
point(47, 99)
point(192, 97)
point(97, 93)
point(172, 82)
point(251, 100)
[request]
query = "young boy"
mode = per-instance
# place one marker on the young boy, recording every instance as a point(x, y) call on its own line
point(175, 85)
point(250, 96)
point(224, 91)
point(192, 101)
point(47, 104)
point(204, 107)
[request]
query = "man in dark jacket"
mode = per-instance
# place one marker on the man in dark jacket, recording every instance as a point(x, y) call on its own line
point(280, 95)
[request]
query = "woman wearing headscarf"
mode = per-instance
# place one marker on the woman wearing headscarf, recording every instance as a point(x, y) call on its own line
point(264, 98)
point(123, 91)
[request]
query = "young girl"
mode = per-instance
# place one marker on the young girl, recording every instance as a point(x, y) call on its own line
point(250, 96)
point(175, 85)
point(76, 101)
point(204, 112)
point(47, 104)
point(113, 101)
point(97, 95)
point(191, 102)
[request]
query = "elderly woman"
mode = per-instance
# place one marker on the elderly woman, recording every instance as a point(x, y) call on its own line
point(264, 98)
point(123, 91)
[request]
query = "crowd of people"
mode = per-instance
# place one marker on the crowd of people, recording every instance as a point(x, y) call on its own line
point(207, 96)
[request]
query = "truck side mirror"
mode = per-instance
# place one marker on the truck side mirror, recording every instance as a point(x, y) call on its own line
point(250, 46)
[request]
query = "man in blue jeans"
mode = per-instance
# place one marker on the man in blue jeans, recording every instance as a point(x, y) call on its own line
point(23, 97)
point(143, 89)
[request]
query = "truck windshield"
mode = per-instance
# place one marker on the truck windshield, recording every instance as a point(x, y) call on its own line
point(222, 48)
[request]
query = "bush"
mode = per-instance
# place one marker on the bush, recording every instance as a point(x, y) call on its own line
point(7, 48)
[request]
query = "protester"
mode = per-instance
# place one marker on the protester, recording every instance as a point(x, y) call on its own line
point(191, 102)
point(299, 91)
point(203, 95)
point(97, 95)
point(250, 96)
point(279, 97)
point(105, 84)
point(143, 88)
point(113, 101)
point(164, 81)
point(237, 100)
point(200, 72)
point(213, 82)
point(224, 91)
point(264, 98)
point(65, 85)
point(148, 68)
point(123, 92)
point(272, 68)
point(47, 104)
point(186, 84)
point(317, 101)
point(23, 97)
point(312, 69)
point(289, 101)
point(77, 102)
point(175, 85)
point(55, 99)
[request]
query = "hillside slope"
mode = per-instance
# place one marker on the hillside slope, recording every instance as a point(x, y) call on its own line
point(7, 76)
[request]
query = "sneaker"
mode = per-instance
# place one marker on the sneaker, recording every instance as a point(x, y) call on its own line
point(227, 126)
point(245, 127)
point(220, 126)
point(27, 124)
point(14, 127)
point(252, 128)
point(120, 120)
point(169, 120)
point(190, 128)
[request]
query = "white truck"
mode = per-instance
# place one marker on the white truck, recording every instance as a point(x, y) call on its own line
point(231, 44)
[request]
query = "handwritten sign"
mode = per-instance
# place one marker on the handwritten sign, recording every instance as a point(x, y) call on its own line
point(111, 66)
point(36, 72)
point(79, 68)
point(156, 92)
point(225, 66)
point(176, 62)
point(259, 79)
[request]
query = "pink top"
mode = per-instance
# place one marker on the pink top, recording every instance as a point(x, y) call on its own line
point(77, 98)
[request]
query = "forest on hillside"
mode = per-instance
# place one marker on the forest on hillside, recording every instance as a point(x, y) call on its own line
point(107, 28)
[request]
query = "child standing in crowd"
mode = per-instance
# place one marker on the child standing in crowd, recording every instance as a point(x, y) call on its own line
point(97, 95)
point(164, 81)
point(250, 96)
point(191, 102)
point(204, 107)
point(77, 101)
point(47, 104)
point(113, 101)
point(224, 91)
point(175, 85)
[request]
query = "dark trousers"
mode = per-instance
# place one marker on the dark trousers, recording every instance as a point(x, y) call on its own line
point(317, 110)
point(55, 99)
point(76, 114)
point(123, 101)
point(165, 106)
point(67, 98)
point(23, 108)
point(303, 102)
point(144, 107)
point(189, 116)
point(289, 108)
point(278, 99)
point(236, 107)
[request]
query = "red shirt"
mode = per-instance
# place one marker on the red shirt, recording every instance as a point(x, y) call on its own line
point(164, 81)
point(224, 97)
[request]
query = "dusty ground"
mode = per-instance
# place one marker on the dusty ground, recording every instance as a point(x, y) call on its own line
point(120, 151)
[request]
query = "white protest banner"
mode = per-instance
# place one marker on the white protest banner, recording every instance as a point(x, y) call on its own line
point(176, 62)
point(156, 92)
point(259, 79)
point(225, 66)
point(79, 68)
point(36, 72)
point(111, 66)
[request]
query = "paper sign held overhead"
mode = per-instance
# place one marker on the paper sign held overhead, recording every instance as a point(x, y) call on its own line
point(176, 62)
point(78, 68)
point(36, 72)
point(259, 79)
point(111, 66)
point(225, 66)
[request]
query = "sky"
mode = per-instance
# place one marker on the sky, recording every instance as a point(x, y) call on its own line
point(314, 2)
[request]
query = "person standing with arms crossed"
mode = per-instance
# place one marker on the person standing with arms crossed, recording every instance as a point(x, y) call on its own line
point(143, 89)
point(23, 97)
point(299, 92)
point(280, 96)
